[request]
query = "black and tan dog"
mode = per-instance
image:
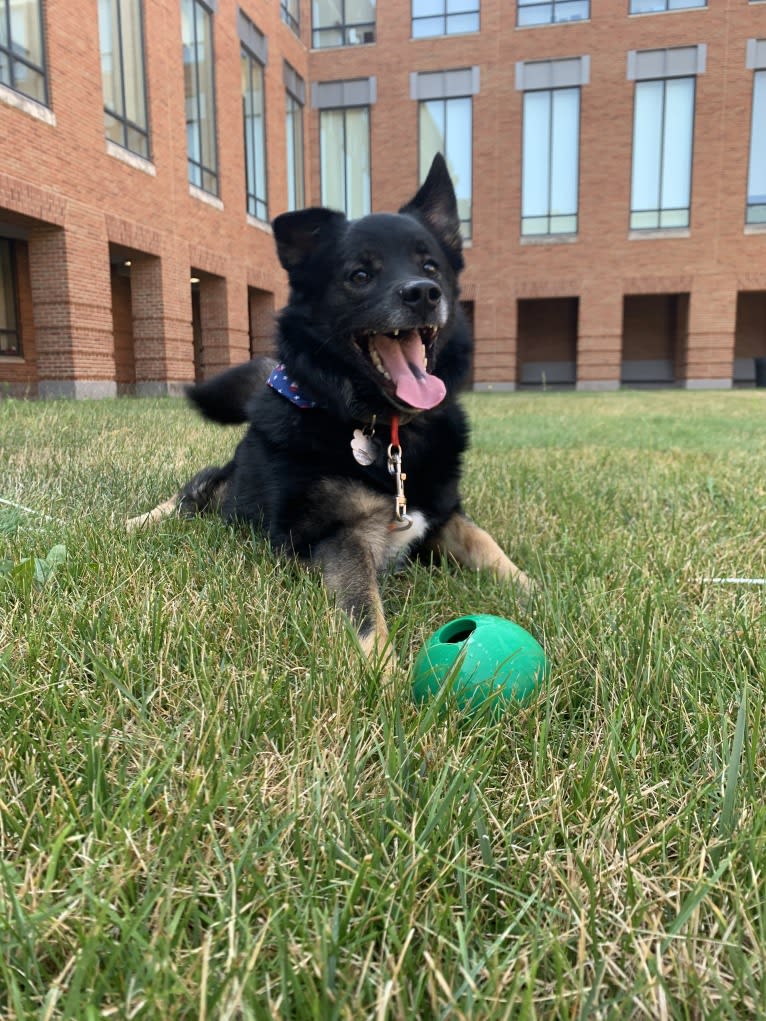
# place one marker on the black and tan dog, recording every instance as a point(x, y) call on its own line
point(352, 458)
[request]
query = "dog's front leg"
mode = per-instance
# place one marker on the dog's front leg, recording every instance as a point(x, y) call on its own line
point(349, 571)
point(472, 547)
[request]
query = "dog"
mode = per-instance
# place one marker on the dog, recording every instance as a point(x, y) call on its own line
point(352, 457)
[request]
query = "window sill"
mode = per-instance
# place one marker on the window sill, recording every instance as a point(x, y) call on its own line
point(443, 35)
point(341, 46)
point(253, 221)
point(12, 360)
point(548, 239)
point(206, 197)
point(653, 234)
point(755, 228)
point(28, 106)
point(131, 158)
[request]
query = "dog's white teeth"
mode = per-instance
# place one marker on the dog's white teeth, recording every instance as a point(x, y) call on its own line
point(395, 333)
point(378, 363)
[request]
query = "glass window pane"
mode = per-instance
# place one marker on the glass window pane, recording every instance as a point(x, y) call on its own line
point(432, 133)
point(28, 81)
point(458, 152)
point(133, 62)
point(540, 14)
point(424, 27)
point(535, 154)
point(677, 143)
point(26, 31)
point(426, 8)
point(360, 12)
point(647, 6)
point(565, 133)
point(110, 56)
point(756, 179)
point(357, 162)
point(647, 146)
point(326, 13)
point(7, 299)
point(457, 23)
point(572, 10)
point(331, 135)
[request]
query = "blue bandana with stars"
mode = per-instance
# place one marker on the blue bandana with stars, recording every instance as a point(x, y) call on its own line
point(280, 381)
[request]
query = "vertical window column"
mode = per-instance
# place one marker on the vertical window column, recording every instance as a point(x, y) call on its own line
point(344, 143)
point(663, 134)
point(253, 59)
point(445, 125)
point(22, 48)
point(756, 175)
point(295, 99)
point(550, 154)
point(123, 76)
point(199, 93)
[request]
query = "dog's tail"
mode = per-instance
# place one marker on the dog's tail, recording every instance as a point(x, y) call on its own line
point(224, 398)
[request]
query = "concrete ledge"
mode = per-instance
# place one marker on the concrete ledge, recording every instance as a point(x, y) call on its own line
point(89, 389)
point(162, 388)
point(597, 384)
point(494, 387)
point(707, 384)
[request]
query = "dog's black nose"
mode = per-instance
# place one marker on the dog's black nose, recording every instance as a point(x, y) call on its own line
point(422, 296)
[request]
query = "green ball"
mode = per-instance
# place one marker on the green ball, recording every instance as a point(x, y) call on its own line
point(483, 659)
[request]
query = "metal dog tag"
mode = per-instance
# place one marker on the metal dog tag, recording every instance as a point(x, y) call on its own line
point(364, 447)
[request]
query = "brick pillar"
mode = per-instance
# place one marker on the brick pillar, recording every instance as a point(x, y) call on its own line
point(599, 338)
point(709, 355)
point(72, 305)
point(495, 330)
point(224, 322)
point(262, 322)
point(162, 323)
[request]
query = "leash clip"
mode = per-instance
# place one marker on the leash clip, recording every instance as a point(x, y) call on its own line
point(402, 521)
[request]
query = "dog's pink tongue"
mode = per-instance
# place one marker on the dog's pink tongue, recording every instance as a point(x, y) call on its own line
point(405, 362)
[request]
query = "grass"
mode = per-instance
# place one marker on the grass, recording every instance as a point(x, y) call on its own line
point(210, 809)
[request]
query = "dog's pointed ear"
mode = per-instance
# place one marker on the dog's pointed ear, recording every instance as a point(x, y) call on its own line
point(299, 234)
point(436, 205)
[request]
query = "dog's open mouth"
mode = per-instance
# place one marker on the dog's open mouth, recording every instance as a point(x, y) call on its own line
point(401, 357)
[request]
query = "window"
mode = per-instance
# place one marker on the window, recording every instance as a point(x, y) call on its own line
point(344, 143)
point(655, 6)
point(756, 178)
point(663, 128)
point(122, 74)
point(295, 92)
point(550, 143)
point(253, 55)
point(10, 343)
point(533, 12)
point(444, 17)
point(199, 93)
point(663, 134)
point(290, 12)
point(22, 51)
point(550, 161)
point(446, 127)
point(342, 22)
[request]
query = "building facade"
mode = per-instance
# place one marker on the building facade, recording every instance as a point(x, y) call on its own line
point(609, 158)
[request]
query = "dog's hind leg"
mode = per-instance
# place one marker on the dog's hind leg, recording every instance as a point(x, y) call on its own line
point(472, 547)
point(202, 494)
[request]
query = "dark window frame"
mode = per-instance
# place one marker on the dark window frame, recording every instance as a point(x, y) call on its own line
point(13, 57)
point(345, 28)
point(755, 212)
point(18, 351)
point(549, 216)
point(203, 170)
point(292, 18)
point(690, 5)
point(125, 123)
point(474, 8)
point(555, 6)
point(665, 209)
point(257, 205)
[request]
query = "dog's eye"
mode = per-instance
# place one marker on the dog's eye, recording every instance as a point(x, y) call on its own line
point(430, 268)
point(360, 276)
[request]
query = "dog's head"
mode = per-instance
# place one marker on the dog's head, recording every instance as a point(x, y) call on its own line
point(373, 322)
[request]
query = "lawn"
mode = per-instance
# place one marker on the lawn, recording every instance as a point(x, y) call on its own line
point(210, 808)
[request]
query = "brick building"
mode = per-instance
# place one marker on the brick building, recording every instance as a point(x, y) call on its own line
point(609, 158)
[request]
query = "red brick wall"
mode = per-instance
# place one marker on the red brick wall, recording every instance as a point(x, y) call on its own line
point(61, 176)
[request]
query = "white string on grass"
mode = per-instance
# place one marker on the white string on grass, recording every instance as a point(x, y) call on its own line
point(28, 510)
